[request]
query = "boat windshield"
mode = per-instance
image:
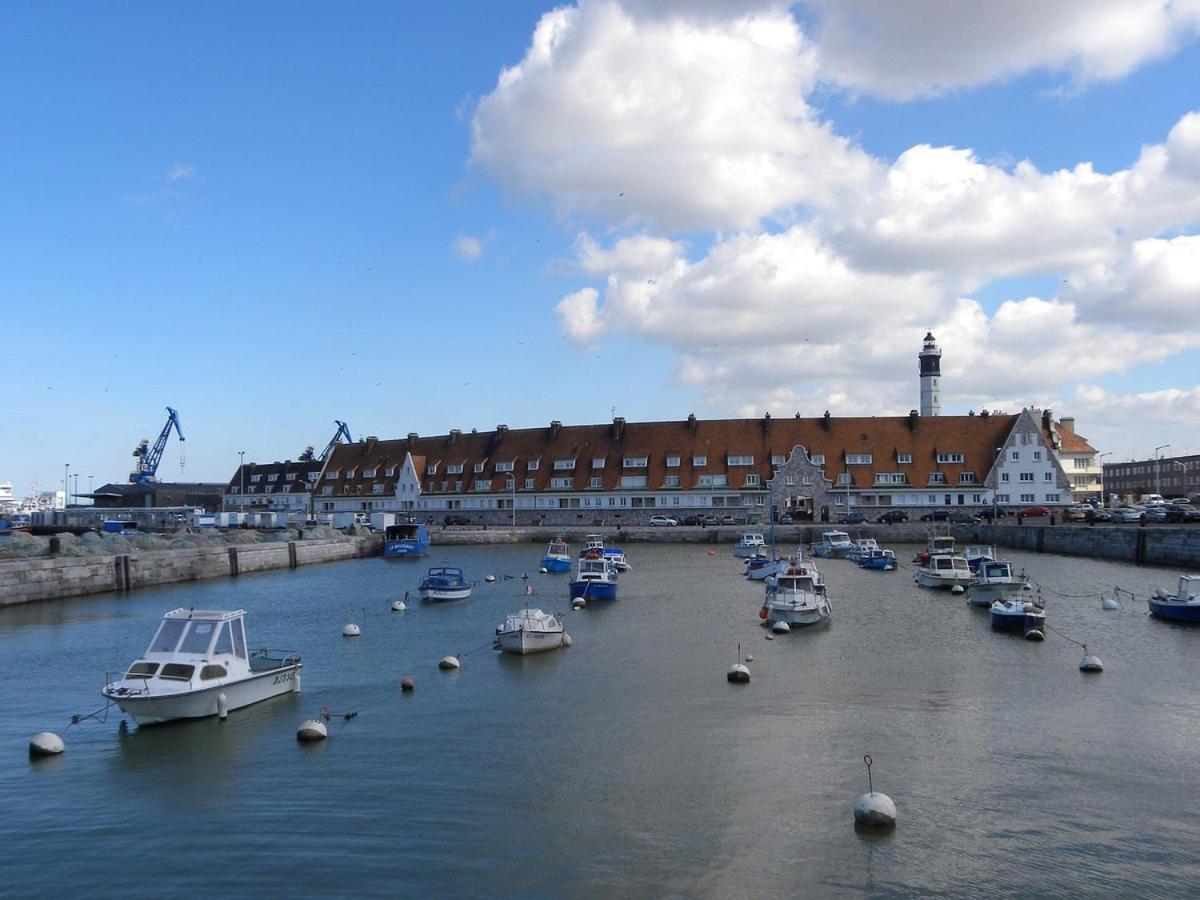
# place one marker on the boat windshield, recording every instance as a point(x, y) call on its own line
point(997, 570)
point(168, 636)
point(198, 638)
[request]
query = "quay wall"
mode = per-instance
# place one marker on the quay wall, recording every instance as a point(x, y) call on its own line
point(1177, 546)
point(42, 578)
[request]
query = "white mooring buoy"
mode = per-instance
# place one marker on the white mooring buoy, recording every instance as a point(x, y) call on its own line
point(578, 603)
point(351, 630)
point(1109, 603)
point(873, 809)
point(749, 658)
point(398, 606)
point(1034, 634)
point(222, 706)
point(543, 570)
point(312, 730)
point(738, 673)
point(489, 578)
point(958, 589)
point(449, 662)
point(46, 743)
point(781, 628)
point(1090, 663)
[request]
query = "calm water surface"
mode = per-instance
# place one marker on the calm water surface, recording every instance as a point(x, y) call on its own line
point(626, 764)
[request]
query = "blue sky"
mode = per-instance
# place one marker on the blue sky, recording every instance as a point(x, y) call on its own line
point(249, 213)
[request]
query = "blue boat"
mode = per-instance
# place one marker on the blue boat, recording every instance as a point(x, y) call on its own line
point(557, 558)
point(406, 540)
point(595, 579)
point(444, 584)
point(879, 560)
point(1018, 616)
point(1183, 605)
point(593, 548)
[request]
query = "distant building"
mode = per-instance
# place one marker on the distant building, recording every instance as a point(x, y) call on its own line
point(1171, 476)
point(199, 495)
point(1077, 456)
point(277, 486)
point(8, 503)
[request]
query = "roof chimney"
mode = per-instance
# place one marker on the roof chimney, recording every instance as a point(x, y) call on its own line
point(1067, 423)
point(454, 434)
point(1047, 418)
point(412, 436)
point(618, 428)
point(691, 421)
point(766, 423)
point(913, 418)
point(825, 420)
point(555, 428)
point(501, 431)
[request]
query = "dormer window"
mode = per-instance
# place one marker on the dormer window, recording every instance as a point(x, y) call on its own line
point(635, 462)
point(740, 459)
point(506, 466)
point(454, 469)
point(944, 458)
point(533, 465)
point(564, 465)
point(479, 467)
point(368, 473)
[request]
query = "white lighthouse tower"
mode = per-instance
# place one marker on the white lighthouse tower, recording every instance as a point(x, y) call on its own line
point(931, 376)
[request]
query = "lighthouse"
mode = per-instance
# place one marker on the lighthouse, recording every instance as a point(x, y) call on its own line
point(931, 376)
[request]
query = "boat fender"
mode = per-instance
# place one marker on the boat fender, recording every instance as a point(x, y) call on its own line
point(762, 613)
point(311, 731)
point(222, 706)
point(578, 603)
point(566, 640)
point(781, 628)
point(543, 570)
point(46, 743)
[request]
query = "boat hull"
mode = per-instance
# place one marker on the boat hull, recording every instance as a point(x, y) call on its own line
point(524, 642)
point(988, 593)
point(799, 616)
point(877, 565)
point(556, 563)
point(938, 580)
point(745, 552)
point(150, 709)
point(444, 595)
point(1018, 623)
point(404, 549)
point(593, 590)
point(1175, 612)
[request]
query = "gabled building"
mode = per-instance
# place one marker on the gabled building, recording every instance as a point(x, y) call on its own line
point(1078, 458)
point(273, 487)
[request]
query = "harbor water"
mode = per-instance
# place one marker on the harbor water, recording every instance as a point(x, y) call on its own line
point(625, 765)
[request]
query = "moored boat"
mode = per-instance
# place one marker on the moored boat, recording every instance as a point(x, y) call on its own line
point(595, 579)
point(879, 560)
point(862, 547)
point(530, 631)
point(943, 571)
point(1018, 616)
point(557, 557)
point(1183, 605)
point(196, 666)
point(834, 545)
point(994, 581)
point(796, 597)
point(976, 555)
point(593, 548)
point(444, 584)
point(405, 540)
point(761, 567)
point(749, 544)
point(936, 545)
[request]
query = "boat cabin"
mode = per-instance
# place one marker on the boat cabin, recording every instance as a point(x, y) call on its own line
point(945, 564)
point(403, 531)
point(796, 583)
point(940, 545)
point(444, 574)
point(595, 570)
point(836, 539)
point(995, 571)
point(752, 539)
point(191, 641)
point(557, 547)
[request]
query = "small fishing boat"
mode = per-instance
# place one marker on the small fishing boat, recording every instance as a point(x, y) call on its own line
point(405, 540)
point(834, 545)
point(1183, 605)
point(557, 558)
point(748, 545)
point(936, 545)
point(862, 547)
point(1019, 616)
point(196, 666)
point(796, 597)
point(878, 560)
point(15, 524)
point(593, 548)
point(761, 567)
point(444, 584)
point(943, 571)
point(595, 579)
point(977, 555)
point(530, 631)
point(994, 581)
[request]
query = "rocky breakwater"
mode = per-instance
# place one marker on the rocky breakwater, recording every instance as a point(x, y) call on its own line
point(63, 565)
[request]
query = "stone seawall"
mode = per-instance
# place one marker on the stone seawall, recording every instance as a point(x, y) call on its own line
point(27, 580)
point(1164, 546)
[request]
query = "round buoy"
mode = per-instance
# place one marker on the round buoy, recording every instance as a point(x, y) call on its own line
point(489, 578)
point(1109, 603)
point(566, 640)
point(578, 603)
point(46, 743)
point(781, 628)
point(398, 606)
point(312, 730)
point(738, 674)
point(351, 630)
point(958, 589)
point(762, 613)
point(543, 570)
point(449, 662)
point(1091, 664)
point(770, 637)
point(875, 810)
point(222, 706)
point(407, 684)
point(1034, 634)
point(1027, 586)
point(749, 658)
point(712, 552)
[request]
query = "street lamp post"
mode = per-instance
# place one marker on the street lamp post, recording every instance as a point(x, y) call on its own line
point(91, 490)
point(996, 487)
point(1157, 468)
point(242, 477)
point(66, 486)
point(1100, 460)
point(512, 483)
point(76, 477)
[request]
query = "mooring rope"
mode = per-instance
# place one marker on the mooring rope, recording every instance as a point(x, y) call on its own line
point(78, 718)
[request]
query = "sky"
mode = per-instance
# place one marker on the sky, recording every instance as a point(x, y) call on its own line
point(458, 215)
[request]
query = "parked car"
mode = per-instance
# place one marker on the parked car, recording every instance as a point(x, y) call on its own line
point(938, 515)
point(1182, 512)
point(1126, 514)
point(964, 518)
point(1098, 514)
point(852, 518)
point(712, 519)
point(1076, 513)
point(1034, 512)
point(728, 519)
point(656, 521)
point(785, 519)
point(989, 513)
point(454, 520)
point(1155, 513)
point(692, 520)
point(892, 515)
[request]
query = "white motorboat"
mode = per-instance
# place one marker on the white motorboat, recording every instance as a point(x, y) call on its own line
point(943, 571)
point(760, 567)
point(994, 581)
point(862, 547)
point(834, 545)
point(976, 555)
point(196, 666)
point(593, 548)
point(1018, 615)
point(796, 597)
point(1183, 605)
point(936, 545)
point(444, 584)
point(749, 544)
point(530, 631)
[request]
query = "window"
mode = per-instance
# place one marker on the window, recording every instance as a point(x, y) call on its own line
point(977, 498)
point(1082, 463)
point(224, 642)
point(209, 672)
point(327, 490)
point(699, 461)
point(633, 481)
point(671, 481)
point(843, 478)
point(532, 465)
point(1049, 476)
point(597, 462)
point(1027, 498)
point(567, 465)
point(596, 482)
point(713, 481)
point(1052, 498)
point(350, 473)
point(529, 484)
point(483, 484)
point(1002, 498)
point(562, 483)
point(1015, 456)
point(391, 470)
point(1004, 477)
point(454, 469)
point(751, 480)
point(1026, 476)
point(635, 462)
point(168, 636)
point(949, 457)
point(790, 481)
point(1037, 455)
point(778, 459)
point(966, 478)
point(904, 459)
point(377, 488)
point(818, 459)
point(937, 477)
point(368, 473)
point(858, 459)
point(891, 478)
point(177, 671)
point(254, 479)
point(142, 670)
point(479, 467)
point(740, 459)
point(198, 638)
point(330, 476)
point(291, 476)
point(505, 466)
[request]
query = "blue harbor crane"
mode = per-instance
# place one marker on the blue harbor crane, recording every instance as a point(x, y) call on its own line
point(148, 457)
point(343, 431)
